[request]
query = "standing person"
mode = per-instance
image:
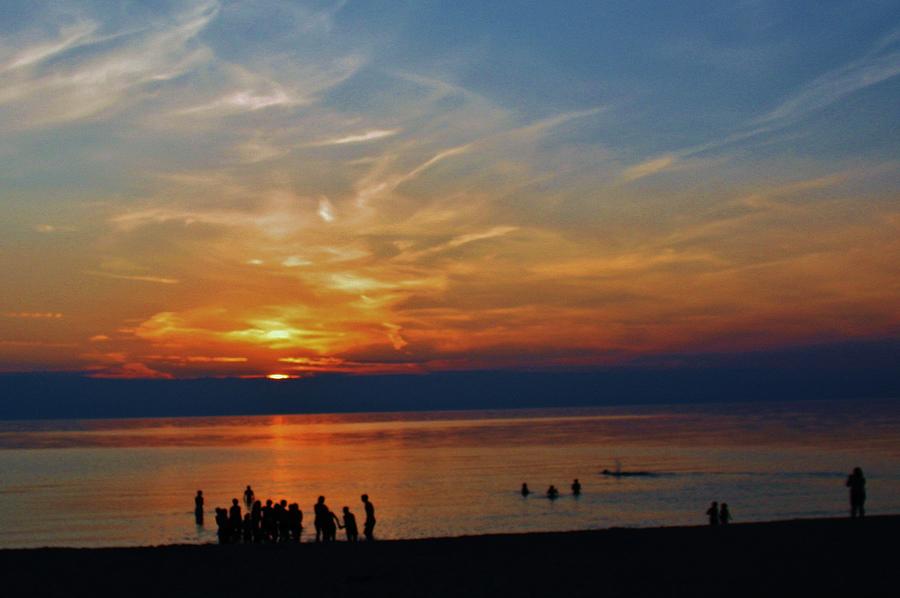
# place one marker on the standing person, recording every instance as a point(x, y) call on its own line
point(235, 520)
point(268, 522)
point(369, 525)
point(247, 529)
point(198, 507)
point(320, 513)
point(256, 521)
point(856, 481)
point(295, 521)
point(350, 525)
point(222, 525)
point(724, 514)
point(552, 492)
point(713, 514)
point(576, 488)
point(248, 497)
point(525, 491)
point(278, 527)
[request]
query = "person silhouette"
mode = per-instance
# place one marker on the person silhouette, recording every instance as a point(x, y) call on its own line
point(248, 497)
point(369, 524)
point(256, 521)
point(713, 513)
point(576, 487)
point(320, 512)
point(234, 518)
point(295, 521)
point(856, 481)
point(278, 526)
point(284, 522)
point(525, 491)
point(350, 525)
point(331, 524)
point(247, 529)
point(268, 522)
point(552, 492)
point(198, 507)
point(223, 530)
point(724, 514)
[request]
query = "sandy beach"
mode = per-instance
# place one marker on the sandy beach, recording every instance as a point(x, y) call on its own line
point(799, 557)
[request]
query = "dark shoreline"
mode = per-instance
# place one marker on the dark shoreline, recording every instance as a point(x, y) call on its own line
point(797, 557)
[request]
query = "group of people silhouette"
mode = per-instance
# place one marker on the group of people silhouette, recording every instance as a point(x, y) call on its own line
point(280, 522)
point(552, 492)
point(718, 515)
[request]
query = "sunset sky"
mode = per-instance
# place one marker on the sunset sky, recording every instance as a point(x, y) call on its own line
point(249, 188)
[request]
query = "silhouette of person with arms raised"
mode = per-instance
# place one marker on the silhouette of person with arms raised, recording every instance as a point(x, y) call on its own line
point(552, 492)
point(198, 507)
point(369, 524)
point(857, 484)
point(724, 514)
point(320, 514)
point(576, 488)
point(713, 514)
point(350, 525)
point(234, 518)
point(525, 491)
point(248, 497)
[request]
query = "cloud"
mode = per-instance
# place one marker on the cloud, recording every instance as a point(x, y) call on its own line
point(69, 36)
point(105, 78)
point(326, 210)
point(376, 185)
point(397, 340)
point(136, 277)
point(458, 241)
point(647, 168)
point(34, 315)
point(873, 68)
point(361, 137)
point(244, 100)
point(129, 371)
point(52, 228)
point(295, 261)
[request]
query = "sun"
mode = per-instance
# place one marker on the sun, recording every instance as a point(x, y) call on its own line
point(280, 376)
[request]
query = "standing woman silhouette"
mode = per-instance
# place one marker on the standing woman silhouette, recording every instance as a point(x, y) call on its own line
point(856, 481)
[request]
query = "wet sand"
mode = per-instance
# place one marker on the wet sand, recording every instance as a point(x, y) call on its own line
point(802, 557)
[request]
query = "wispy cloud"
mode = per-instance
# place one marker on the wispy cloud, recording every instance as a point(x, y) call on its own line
point(135, 277)
point(360, 137)
point(648, 168)
point(101, 80)
point(34, 315)
point(69, 36)
point(880, 64)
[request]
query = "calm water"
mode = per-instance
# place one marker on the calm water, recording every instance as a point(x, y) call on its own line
point(132, 482)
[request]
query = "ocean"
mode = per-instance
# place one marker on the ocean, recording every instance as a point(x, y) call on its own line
point(88, 483)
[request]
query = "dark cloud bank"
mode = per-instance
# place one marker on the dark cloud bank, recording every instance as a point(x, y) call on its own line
point(849, 370)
